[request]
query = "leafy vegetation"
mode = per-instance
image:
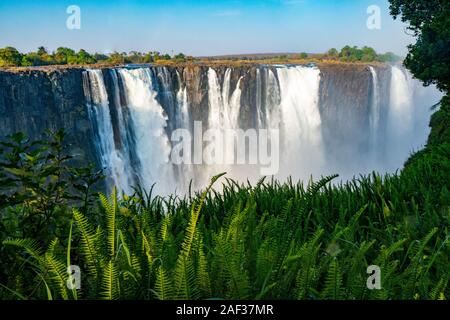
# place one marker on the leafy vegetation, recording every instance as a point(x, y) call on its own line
point(11, 57)
point(429, 21)
point(354, 54)
point(281, 241)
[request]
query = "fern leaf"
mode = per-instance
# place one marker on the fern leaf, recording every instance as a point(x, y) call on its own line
point(110, 282)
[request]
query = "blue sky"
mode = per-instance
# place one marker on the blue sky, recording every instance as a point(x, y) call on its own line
point(200, 27)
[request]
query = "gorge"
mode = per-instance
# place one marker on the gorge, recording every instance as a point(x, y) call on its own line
point(347, 119)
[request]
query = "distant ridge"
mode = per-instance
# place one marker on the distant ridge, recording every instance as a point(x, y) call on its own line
point(252, 55)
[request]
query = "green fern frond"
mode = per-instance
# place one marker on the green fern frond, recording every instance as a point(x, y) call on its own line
point(203, 280)
point(88, 245)
point(58, 273)
point(111, 214)
point(110, 282)
point(163, 285)
point(333, 282)
point(30, 246)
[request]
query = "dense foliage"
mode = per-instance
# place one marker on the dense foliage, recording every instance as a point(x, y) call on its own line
point(11, 57)
point(429, 21)
point(268, 241)
point(355, 54)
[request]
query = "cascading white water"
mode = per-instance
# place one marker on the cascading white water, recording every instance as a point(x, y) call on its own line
point(273, 98)
point(125, 139)
point(301, 136)
point(259, 90)
point(219, 113)
point(401, 112)
point(235, 105)
point(152, 145)
point(182, 114)
point(374, 117)
point(400, 123)
point(98, 107)
point(184, 172)
point(284, 97)
point(223, 115)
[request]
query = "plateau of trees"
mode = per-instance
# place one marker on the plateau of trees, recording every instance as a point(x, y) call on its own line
point(355, 54)
point(11, 57)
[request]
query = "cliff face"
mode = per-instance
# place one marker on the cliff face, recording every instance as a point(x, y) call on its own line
point(346, 99)
point(34, 100)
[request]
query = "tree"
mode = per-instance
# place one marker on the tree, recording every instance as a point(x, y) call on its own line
point(388, 57)
point(148, 58)
point(429, 21)
point(303, 55)
point(10, 57)
point(345, 53)
point(333, 53)
point(100, 57)
point(180, 57)
point(116, 58)
point(42, 51)
point(84, 58)
point(368, 54)
point(64, 55)
point(31, 59)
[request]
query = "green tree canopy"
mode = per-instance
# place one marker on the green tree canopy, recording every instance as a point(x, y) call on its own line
point(42, 51)
point(63, 55)
point(303, 55)
point(333, 53)
point(429, 20)
point(10, 57)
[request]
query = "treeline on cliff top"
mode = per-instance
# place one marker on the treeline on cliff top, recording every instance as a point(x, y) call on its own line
point(11, 57)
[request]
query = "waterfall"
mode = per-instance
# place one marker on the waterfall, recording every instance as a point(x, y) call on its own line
point(149, 121)
point(273, 98)
point(184, 172)
point(220, 114)
point(374, 117)
point(400, 123)
point(401, 112)
point(235, 104)
point(301, 134)
point(259, 101)
point(99, 112)
point(145, 106)
point(182, 114)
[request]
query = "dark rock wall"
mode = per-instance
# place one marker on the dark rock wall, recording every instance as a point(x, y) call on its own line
point(34, 100)
point(345, 101)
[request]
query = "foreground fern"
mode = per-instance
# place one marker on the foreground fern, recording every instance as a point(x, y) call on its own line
point(273, 241)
